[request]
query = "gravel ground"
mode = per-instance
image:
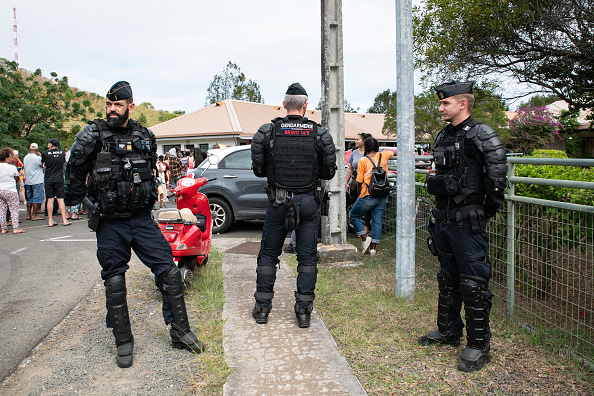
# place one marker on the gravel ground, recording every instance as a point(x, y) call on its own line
point(78, 356)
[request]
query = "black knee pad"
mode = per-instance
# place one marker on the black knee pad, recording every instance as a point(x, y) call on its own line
point(115, 289)
point(172, 281)
point(475, 291)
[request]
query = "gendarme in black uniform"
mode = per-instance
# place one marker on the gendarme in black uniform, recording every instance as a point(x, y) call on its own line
point(294, 153)
point(468, 185)
point(119, 156)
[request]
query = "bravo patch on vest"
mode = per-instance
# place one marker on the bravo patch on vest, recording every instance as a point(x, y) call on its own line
point(296, 129)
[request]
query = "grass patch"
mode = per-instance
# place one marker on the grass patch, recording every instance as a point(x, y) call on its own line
point(205, 297)
point(377, 333)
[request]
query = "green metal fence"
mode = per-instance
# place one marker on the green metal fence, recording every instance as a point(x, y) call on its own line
point(542, 254)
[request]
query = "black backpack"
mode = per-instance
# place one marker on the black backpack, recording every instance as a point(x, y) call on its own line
point(379, 186)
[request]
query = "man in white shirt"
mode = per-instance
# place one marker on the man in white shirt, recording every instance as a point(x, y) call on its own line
point(33, 182)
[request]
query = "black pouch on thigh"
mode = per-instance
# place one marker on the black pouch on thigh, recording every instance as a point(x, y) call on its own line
point(477, 221)
point(292, 215)
point(442, 185)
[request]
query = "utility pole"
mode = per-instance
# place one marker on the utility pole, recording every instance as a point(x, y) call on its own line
point(405, 118)
point(334, 225)
point(16, 43)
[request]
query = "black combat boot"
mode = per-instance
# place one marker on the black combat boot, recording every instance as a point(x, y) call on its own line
point(303, 315)
point(476, 306)
point(260, 313)
point(448, 309)
point(181, 334)
point(117, 308)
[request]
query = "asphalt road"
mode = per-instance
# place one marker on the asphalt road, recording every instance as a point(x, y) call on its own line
point(45, 273)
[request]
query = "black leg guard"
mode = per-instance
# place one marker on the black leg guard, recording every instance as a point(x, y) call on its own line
point(117, 308)
point(181, 334)
point(475, 293)
point(303, 314)
point(448, 309)
point(266, 276)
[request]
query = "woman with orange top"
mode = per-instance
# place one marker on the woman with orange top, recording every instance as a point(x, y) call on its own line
point(366, 203)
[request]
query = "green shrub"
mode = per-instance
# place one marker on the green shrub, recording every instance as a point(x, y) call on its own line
point(572, 195)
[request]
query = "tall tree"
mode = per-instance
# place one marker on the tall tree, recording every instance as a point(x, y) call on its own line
point(382, 102)
point(233, 84)
point(546, 43)
point(539, 101)
point(34, 108)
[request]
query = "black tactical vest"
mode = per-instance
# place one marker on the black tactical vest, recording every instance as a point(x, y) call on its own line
point(458, 172)
point(122, 181)
point(294, 164)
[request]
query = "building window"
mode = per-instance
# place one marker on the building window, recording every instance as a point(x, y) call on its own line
point(167, 147)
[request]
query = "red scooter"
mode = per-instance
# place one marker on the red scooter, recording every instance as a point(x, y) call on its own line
point(188, 229)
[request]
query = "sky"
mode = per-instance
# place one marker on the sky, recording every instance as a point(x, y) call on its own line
point(170, 51)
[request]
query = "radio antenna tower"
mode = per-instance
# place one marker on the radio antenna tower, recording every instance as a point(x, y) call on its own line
point(16, 43)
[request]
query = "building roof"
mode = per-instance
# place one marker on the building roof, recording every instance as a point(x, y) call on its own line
point(556, 107)
point(241, 118)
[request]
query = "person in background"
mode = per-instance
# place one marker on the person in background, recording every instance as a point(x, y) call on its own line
point(33, 182)
point(366, 203)
point(53, 160)
point(357, 153)
point(162, 178)
point(191, 162)
point(71, 210)
point(175, 168)
point(21, 183)
point(184, 162)
point(9, 197)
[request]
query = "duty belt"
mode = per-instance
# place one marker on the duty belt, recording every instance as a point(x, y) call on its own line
point(475, 213)
point(458, 214)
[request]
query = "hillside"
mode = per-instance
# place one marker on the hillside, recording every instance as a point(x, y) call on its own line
point(145, 113)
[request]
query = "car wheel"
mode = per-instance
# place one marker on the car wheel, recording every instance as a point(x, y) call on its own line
point(222, 216)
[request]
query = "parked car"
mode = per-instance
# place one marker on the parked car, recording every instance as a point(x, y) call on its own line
point(236, 193)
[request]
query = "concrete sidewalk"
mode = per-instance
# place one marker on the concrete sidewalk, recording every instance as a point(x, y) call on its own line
point(277, 358)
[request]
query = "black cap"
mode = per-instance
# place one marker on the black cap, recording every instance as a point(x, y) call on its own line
point(119, 91)
point(54, 142)
point(296, 89)
point(453, 88)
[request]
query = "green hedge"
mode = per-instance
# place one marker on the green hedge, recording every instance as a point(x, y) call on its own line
point(572, 195)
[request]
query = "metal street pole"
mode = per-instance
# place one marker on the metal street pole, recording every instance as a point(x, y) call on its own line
point(334, 225)
point(405, 218)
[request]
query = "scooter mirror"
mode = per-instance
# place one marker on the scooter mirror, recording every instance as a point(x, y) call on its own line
point(213, 159)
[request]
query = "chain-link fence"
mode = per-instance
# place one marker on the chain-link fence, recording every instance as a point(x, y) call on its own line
point(542, 254)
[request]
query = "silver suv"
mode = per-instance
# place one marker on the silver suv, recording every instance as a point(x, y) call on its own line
point(236, 194)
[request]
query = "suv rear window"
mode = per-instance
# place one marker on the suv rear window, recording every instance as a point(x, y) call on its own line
point(238, 160)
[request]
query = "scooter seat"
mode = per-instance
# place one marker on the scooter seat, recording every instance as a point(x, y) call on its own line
point(187, 215)
point(169, 215)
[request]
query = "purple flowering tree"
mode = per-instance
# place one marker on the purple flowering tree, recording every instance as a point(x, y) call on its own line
point(533, 128)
